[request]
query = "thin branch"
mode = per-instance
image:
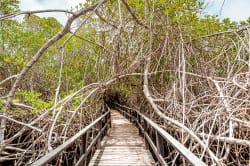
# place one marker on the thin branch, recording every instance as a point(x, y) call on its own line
point(34, 12)
point(9, 78)
point(221, 8)
point(55, 101)
point(104, 20)
point(133, 14)
point(23, 106)
point(89, 41)
point(228, 140)
point(239, 29)
point(21, 123)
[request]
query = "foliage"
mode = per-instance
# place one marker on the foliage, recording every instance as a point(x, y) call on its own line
point(8, 6)
point(32, 98)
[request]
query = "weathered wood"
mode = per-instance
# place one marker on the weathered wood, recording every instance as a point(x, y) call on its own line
point(161, 135)
point(123, 145)
point(51, 155)
point(85, 156)
point(84, 147)
point(152, 145)
point(175, 143)
point(160, 145)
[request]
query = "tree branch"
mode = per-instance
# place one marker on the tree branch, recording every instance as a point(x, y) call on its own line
point(240, 29)
point(9, 78)
point(34, 12)
point(104, 20)
point(89, 41)
point(21, 123)
point(133, 14)
point(228, 140)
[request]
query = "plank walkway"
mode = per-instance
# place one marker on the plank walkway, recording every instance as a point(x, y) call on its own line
point(123, 146)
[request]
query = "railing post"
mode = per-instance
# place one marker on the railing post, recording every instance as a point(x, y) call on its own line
point(130, 117)
point(99, 127)
point(84, 147)
point(139, 123)
point(160, 144)
point(145, 127)
point(109, 119)
point(106, 121)
point(133, 116)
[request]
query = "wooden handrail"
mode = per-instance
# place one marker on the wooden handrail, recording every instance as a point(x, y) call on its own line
point(81, 134)
point(144, 123)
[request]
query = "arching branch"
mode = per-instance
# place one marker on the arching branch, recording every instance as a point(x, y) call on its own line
point(8, 16)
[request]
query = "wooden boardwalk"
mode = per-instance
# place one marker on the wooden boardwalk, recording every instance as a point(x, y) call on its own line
point(123, 146)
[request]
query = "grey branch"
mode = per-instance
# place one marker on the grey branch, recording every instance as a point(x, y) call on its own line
point(34, 12)
point(133, 14)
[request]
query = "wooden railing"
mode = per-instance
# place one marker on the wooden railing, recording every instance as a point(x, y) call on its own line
point(100, 125)
point(156, 137)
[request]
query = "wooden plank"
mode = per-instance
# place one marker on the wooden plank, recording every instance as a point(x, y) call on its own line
point(125, 150)
point(123, 146)
point(122, 157)
point(118, 141)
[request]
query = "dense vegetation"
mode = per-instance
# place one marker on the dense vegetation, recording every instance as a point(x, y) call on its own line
point(189, 72)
